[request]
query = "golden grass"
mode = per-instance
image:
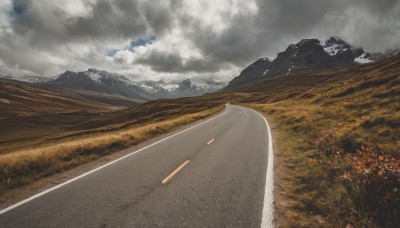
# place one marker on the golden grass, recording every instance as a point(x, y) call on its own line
point(358, 106)
point(5, 101)
point(21, 167)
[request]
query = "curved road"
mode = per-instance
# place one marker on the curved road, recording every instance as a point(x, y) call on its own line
point(214, 175)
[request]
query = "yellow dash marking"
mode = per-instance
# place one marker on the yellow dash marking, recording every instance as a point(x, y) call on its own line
point(175, 172)
point(212, 140)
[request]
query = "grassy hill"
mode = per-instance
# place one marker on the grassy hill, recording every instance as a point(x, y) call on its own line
point(44, 144)
point(28, 112)
point(337, 137)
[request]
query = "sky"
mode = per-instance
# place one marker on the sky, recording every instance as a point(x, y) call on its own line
point(179, 39)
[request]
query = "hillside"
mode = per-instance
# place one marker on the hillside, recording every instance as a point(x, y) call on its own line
point(23, 99)
point(94, 83)
point(338, 134)
point(34, 147)
point(29, 112)
point(306, 56)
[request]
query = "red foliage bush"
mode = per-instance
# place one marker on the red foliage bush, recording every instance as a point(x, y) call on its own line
point(378, 171)
point(370, 167)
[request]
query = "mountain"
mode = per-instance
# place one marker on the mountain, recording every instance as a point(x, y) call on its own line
point(185, 88)
point(346, 109)
point(26, 78)
point(21, 99)
point(388, 53)
point(159, 89)
point(253, 73)
point(102, 82)
point(306, 55)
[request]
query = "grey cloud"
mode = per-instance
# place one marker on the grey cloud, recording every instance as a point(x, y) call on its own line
point(235, 44)
point(162, 61)
point(39, 31)
point(360, 22)
point(172, 62)
point(107, 20)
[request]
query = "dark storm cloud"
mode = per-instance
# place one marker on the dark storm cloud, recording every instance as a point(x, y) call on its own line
point(365, 23)
point(172, 62)
point(39, 29)
point(44, 37)
point(279, 23)
point(104, 20)
point(235, 44)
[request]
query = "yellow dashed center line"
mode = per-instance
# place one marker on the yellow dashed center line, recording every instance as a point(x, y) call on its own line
point(211, 141)
point(175, 172)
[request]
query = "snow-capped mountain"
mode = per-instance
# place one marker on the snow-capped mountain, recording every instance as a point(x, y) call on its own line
point(107, 78)
point(340, 50)
point(98, 81)
point(388, 53)
point(183, 88)
point(26, 78)
point(308, 54)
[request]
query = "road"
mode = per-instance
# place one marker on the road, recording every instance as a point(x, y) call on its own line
point(215, 175)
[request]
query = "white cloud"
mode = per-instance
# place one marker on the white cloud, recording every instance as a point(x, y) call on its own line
point(124, 57)
point(69, 10)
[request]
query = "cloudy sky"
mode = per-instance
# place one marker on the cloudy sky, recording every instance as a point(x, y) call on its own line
point(178, 39)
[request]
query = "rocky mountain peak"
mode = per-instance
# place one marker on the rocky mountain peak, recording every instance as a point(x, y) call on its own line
point(93, 70)
point(336, 41)
point(185, 84)
point(72, 77)
point(304, 43)
point(308, 54)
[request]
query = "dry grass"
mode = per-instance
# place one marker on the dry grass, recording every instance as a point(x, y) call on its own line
point(21, 167)
point(357, 106)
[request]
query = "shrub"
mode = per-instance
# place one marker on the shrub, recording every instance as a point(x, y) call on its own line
point(350, 143)
point(373, 173)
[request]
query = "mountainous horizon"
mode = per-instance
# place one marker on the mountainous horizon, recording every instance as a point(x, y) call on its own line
point(104, 82)
point(340, 51)
point(228, 113)
point(307, 55)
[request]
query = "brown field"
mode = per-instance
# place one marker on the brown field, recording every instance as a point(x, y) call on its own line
point(46, 144)
point(344, 109)
point(321, 121)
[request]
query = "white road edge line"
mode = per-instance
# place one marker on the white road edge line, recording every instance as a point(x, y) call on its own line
point(101, 167)
point(268, 207)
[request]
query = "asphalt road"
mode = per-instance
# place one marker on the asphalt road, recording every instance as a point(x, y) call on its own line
point(221, 183)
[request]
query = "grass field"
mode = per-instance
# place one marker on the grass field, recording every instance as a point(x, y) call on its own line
point(91, 137)
point(337, 132)
point(338, 138)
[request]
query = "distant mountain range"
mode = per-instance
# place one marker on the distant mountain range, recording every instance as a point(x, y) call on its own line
point(103, 82)
point(306, 55)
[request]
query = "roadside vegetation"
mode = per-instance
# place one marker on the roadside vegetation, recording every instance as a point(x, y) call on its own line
point(23, 162)
point(337, 132)
point(339, 145)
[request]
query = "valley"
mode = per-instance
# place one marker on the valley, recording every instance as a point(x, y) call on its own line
point(334, 112)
